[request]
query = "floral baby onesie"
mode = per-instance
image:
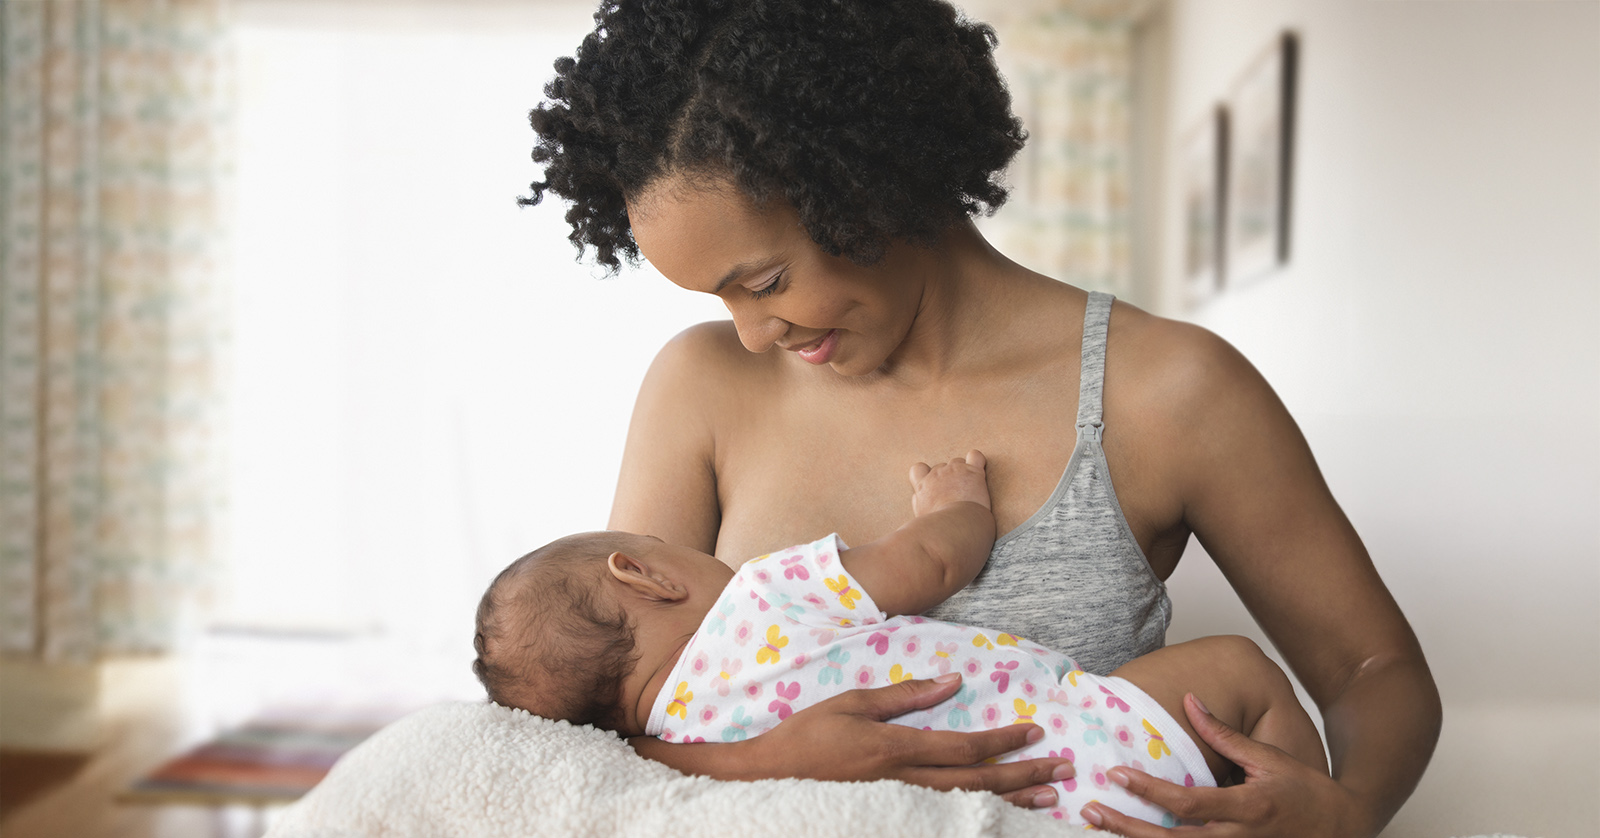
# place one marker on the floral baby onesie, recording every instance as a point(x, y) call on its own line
point(794, 628)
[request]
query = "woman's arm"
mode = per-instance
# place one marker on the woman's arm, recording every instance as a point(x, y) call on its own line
point(668, 489)
point(668, 486)
point(1252, 493)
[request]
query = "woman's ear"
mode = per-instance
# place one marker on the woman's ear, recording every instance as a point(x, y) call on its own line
point(652, 585)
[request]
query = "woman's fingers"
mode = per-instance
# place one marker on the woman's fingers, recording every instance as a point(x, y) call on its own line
point(1186, 802)
point(919, 471)
point(884, 703)
point(1025, 784)
point(976, 459)
point(1234, 746)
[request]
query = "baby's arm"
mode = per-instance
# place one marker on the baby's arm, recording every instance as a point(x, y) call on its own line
point(937, 552)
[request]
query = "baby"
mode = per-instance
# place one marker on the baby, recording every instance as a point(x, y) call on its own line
point(643, 637)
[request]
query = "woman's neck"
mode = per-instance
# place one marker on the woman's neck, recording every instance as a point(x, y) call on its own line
point(967, 293)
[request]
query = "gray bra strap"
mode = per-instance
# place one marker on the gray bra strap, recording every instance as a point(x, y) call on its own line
point(1092, 373)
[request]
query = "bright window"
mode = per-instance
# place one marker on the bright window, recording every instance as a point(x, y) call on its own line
point(427, 385)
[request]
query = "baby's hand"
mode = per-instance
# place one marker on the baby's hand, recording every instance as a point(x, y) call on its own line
point(961, 479)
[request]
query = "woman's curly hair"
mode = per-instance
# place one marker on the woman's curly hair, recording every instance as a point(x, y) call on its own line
point(877, 120)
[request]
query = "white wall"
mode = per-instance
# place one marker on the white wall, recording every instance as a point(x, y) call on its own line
point(1437, 335)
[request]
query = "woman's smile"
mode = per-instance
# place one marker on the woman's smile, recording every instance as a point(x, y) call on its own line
point(818, 351)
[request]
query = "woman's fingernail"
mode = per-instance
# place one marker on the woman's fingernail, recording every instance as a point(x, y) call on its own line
point(1035, 734)
point(1064, 771)
point(1200, 704)
point(1044, 798)
point(1091, 814)
point(947, 678)
point(1118, 776)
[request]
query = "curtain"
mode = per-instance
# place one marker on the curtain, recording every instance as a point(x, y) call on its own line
point(1069, 66)
point(113, 135)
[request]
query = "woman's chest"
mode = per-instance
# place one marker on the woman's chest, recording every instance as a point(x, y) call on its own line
point(792, 471)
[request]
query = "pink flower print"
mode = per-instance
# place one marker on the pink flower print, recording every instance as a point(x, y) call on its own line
point(973, 667)
point(761, 604)
point(700, 664)
point(991, 715)
point(880, 640)
point(694, 739)
point(752, 689)
point(941, 656)
point(1114, 703)
point(817, 603)
point(915, 620)
point(763, 576)
point(798, 661)
point(912, 646)
point(708, 714)
point(824, 558)
point(742, 633)
point(1071, 783)
point(1097, 775)
point(668, 735)
point(864, 677)
point(1002, 673)
point(1028, 689)
point(786, 693)
point(1123, 736)
point(1087, 703)
point(730, 668)
point(793, 570)
point(1058, 723)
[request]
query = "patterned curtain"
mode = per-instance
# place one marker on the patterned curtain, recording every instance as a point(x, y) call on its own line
point(113, 138)
point(1069, 65)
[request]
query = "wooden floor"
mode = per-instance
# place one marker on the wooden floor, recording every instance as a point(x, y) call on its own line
point(45, 795)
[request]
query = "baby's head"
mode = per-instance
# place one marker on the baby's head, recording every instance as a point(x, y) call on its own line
point(551, 639)
point(585, 627)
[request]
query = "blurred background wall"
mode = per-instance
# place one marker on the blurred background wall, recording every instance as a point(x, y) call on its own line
point(1435, 334)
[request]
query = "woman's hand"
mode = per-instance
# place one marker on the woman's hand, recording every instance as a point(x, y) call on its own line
point(847, 737)
point(1279, 796)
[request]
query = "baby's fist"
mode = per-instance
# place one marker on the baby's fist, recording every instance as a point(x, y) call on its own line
point(961, 479)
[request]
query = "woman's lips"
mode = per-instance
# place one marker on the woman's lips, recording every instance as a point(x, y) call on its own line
point(821, 351)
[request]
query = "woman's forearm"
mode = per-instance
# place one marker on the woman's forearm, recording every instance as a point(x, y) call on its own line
point(718, 760)
point(1381, 732)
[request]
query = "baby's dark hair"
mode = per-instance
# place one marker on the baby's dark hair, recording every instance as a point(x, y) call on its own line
point(549, 641)
point(878, 120)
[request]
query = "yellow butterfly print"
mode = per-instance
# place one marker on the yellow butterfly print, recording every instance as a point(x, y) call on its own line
point(1158, 743)
point(1006, 639)
point(769, 653)
point(898, 674)
point(1072, 677)
point(847, 594)
point(982, 641)
point(1024, 711)
point(679, 705)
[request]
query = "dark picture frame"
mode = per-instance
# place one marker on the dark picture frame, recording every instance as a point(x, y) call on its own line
point(1205, 166)
point(1259, 167)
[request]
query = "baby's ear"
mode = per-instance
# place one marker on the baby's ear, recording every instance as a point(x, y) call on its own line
point(645, 582)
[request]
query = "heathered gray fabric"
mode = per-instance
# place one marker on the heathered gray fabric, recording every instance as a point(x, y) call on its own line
point(1072, 577)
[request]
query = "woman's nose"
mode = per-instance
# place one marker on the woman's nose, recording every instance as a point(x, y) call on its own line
point(757, 331)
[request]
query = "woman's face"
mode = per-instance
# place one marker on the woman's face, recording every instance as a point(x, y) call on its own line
point(781, 289)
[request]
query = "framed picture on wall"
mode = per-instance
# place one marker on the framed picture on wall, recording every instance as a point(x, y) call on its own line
point(1259, 156)
point(1204, 207)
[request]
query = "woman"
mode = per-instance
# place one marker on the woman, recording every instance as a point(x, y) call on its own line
point(816, 165)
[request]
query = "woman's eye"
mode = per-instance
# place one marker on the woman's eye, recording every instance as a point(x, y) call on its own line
point(766, 290)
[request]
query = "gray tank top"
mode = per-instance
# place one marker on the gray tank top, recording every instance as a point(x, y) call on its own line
point(1072, 577)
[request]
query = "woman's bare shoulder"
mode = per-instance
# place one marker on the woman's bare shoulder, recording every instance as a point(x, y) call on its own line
point(708, 358)
point(1171, 364)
